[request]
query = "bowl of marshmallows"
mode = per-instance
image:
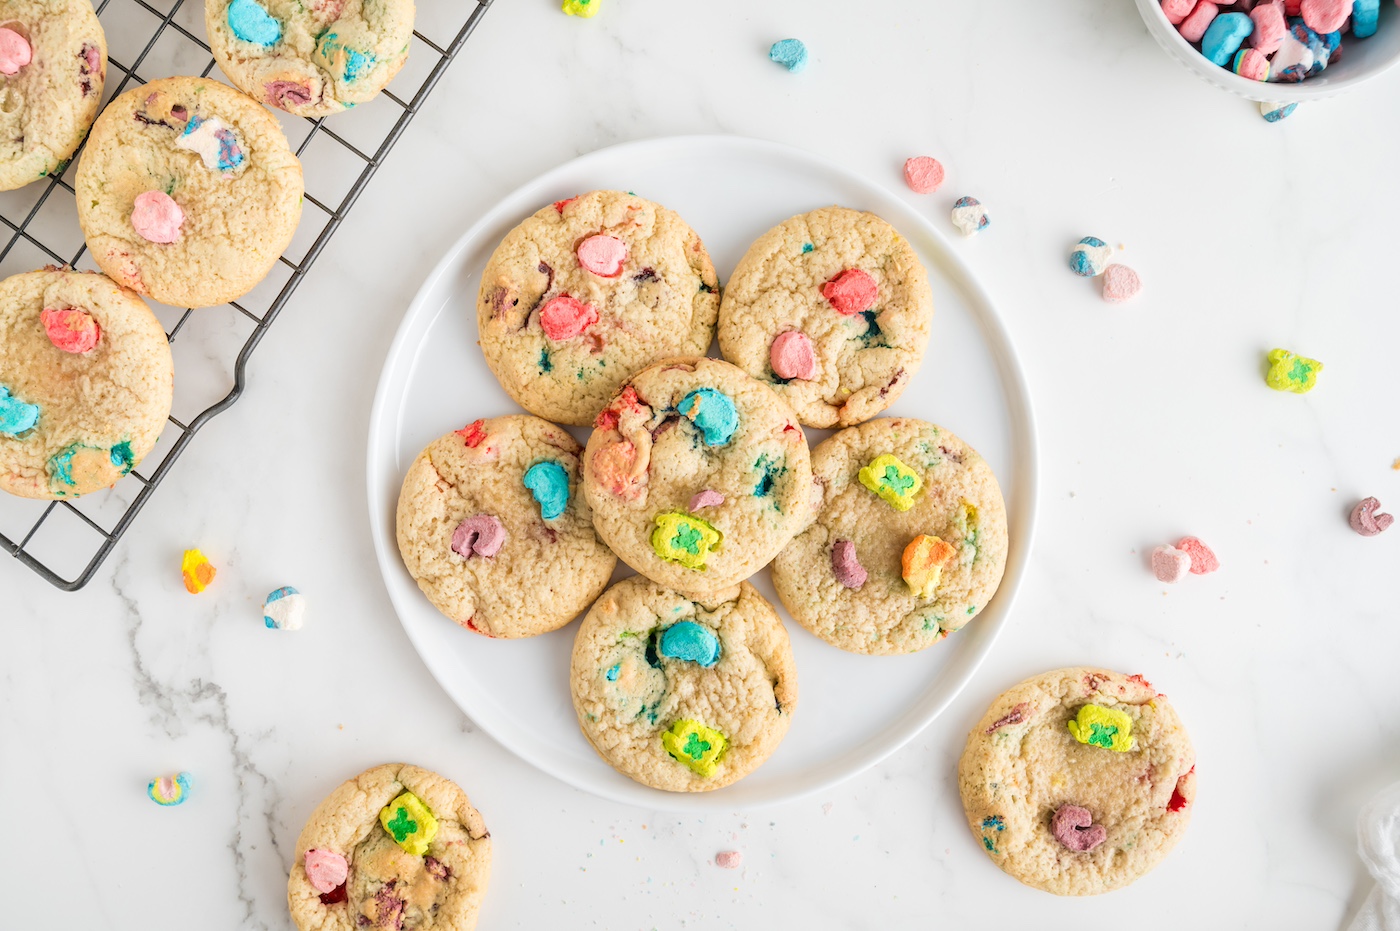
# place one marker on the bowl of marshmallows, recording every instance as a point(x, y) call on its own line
point(1279, 52)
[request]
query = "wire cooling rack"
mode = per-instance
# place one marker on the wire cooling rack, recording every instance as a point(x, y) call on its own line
point(158, 38)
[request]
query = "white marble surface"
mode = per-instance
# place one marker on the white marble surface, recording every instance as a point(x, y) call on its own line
point(1155, 423)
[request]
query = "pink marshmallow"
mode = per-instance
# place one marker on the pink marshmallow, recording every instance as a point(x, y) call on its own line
point(1203, 558)
point(1170, 564)
point(325, 869)
point(1121, 283)
point(1324, 16)
point(1269, 28)
point(1292, 7)
point(1177, 10)
point(845, 565)
point(564, 317)
point(1193, 27)
point(602, 255)
point(709, 498)
point(851, 292)
point(792, 356)
point(156, 217)
point(70, 330)
point(482, 535)
point(15, 52)
point(924, 175)
point(1252, 64)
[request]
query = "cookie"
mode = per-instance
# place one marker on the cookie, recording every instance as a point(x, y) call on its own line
point(1078, 781)
point(832, 309)
point(86, 381)
point(587, 292)
point(697, 475)
point(680, 694)
point(311, 59)
point(53, 62)
point(187, 191)
point(908, 544)
point(492, 527)
point(395, 847)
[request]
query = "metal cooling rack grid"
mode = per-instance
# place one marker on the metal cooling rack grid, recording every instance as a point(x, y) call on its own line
point(146, 41)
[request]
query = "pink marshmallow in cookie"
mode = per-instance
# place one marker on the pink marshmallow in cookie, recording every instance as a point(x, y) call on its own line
point(325, 870)
point(15, 52)
point(156, 217)
point(565, 317)
point(482, 535)
point(1074, 827)
point(283, 94)
point(602, 255)
point(792, 356)
point(71, 330)
point(845, 565)
point(709, 498)
point(851, 292)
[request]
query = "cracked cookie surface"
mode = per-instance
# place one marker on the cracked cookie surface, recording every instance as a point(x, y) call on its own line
point(96, 413)
point(631, 686)
point(957, 500)
point(224, 162)
point(856, 291)
point(310, 58)
point(679, 429)
point(386, 886)
point(47, 105)
point(657, 298)
point(1022, 765)
point(544, 570)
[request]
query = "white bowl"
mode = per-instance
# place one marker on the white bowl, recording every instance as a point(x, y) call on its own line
point(1362, 59)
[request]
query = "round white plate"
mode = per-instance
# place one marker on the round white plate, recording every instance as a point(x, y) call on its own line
point(853, 710)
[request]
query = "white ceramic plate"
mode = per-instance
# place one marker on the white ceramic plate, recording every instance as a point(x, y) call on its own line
point(853, 710)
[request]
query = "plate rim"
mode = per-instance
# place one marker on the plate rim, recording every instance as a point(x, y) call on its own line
point(1012, 375)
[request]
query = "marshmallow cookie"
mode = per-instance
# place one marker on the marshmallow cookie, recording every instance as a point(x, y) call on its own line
point(1078, 781)
point(395, 847)
point(187, 191)
point(697, 475)
point(493, 529)
point(585, 293)
point(832, 309)
point(86, 381)
point(53, 61)
point(908, 543)
point(313, 58)
point(680, 694)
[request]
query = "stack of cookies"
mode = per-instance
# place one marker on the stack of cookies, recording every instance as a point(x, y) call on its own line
point(599, 310)
point(187, 193)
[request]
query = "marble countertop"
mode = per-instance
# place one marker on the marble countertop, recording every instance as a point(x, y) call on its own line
point(1154, 420)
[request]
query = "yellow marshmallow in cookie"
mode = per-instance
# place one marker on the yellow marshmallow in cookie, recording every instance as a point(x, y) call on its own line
point(409, 823)
point(923, 562)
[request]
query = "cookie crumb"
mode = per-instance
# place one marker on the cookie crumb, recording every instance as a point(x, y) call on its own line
point(729, 859)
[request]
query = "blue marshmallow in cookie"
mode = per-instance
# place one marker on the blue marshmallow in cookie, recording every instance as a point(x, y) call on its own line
point(16, 416)
point(549, 483)
point(251, 23)
point(690, 642)
point(713, 413)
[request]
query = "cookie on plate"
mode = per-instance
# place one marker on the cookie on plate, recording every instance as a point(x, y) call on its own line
point(394, 847)
point(582, 295)
point(908, 544)
point(187, 191)
point(1078, 781)
point(680, 694)
point(493, 529)
point(832, 309)
point(311, 59)
point(53, 62)
point(86, 381)
point(697, 475)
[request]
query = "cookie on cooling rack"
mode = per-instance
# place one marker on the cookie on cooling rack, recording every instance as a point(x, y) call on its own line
point(394, 847)
point(1078, 781)
point(832, 309)
point(493, 528)
point(53, 61)
point(579, 297)
point(314, 58)
point(909, 541)
point(187, 191)
point(85, 382)
point(683, 694)
point(697, 475)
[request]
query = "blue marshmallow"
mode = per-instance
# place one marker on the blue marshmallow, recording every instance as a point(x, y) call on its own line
point(1224, 37)
point(1365, 14)
point(790, 53)
point(549, 483)
point(690, 642)
point(252, 23)
point(15, 415)
point(713, 413)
